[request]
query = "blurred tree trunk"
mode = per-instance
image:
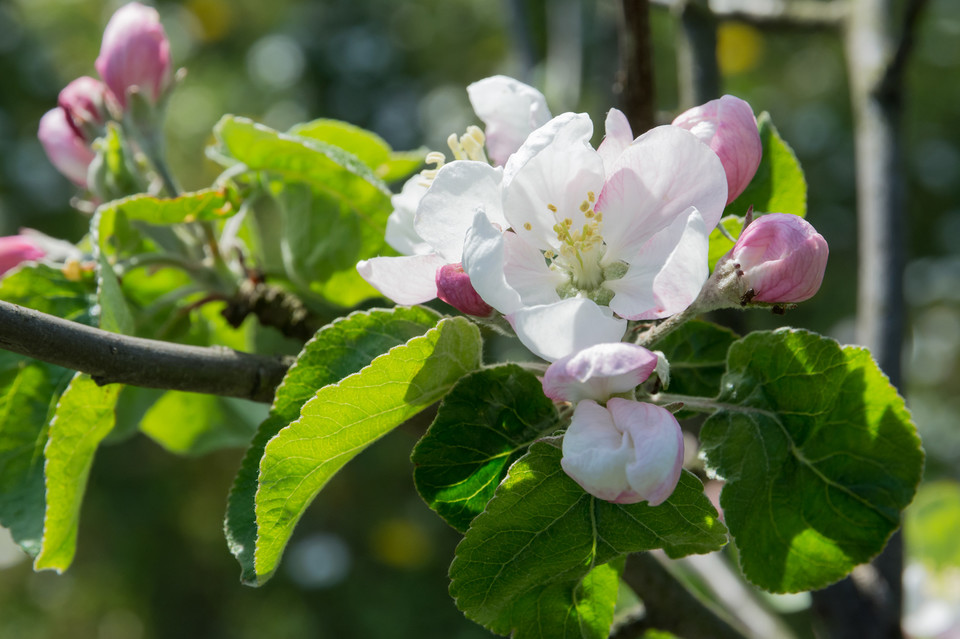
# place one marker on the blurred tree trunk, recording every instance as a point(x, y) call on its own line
point(635, 80)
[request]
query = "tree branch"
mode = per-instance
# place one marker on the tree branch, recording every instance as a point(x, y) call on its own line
point(781, 14)
point(111, 358)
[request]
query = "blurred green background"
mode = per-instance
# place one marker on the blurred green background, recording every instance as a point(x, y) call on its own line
point(369, 559)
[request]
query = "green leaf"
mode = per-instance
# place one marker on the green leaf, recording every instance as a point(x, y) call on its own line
point(194, 424)
point(84, 416)
point(720, 244)
point(520, 568)
point(779, 185)
point(338, 350)
point(931, 525)
point(46, 289)
point(402, 164)
point(115, 315)
point(483, 425)
point(343, 419)
point(697, 352)
point(198, 206)
point(28, 389)
point(819, 454)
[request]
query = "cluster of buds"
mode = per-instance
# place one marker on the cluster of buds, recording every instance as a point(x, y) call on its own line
point(134, 60)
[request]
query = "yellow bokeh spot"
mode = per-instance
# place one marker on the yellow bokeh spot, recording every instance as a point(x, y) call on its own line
point(739, 47)
point(215, 16)
point(400, 543)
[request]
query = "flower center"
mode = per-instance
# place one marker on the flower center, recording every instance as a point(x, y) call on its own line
point(468, 146)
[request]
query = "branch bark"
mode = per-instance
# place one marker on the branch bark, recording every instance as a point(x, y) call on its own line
point(635, 79)
point(111, 358)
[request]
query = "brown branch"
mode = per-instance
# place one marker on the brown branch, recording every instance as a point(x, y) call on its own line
point(635, 79)
point(779, 14)
point(111, 358)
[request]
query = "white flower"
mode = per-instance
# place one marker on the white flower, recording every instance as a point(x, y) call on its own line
point(596, 238)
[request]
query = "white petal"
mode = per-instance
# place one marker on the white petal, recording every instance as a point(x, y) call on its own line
point(596, 453)
point(618, 137)
point(460, 189)
point(664, 173)
point(552, 331)
point(555, 167)
point(510, 109)
point(598, 372)
point(667, 274)
point(405, 280)
point(657, 461)
point(527, 272)
point(400, 232)
point(483, 260)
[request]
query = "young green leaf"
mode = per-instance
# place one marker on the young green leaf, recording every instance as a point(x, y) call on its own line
point(84, 416)
point(482, 426)
point(27, 390)
point(198, 206)
point(697, 352)
point(338, 350)
point(48, 290)
point(521, 566)
point(115, 315)
point(779, 185)
point(819, 454)
point(194, 424)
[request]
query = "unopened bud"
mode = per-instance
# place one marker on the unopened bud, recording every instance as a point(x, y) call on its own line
point(15, 249)
point(84, 102)
point(727, 126)
point(135, 53)
point(67, 150)
point(454, 288)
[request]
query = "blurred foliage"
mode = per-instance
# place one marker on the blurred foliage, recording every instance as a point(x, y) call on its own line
point(152, 561)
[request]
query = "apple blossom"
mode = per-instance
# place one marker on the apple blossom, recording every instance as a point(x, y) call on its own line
point(778, 258)
point(511, 110)
point(15, 249)
point(67, 150)
point(454, 288)
point(727, 125)
point(135, 53)
point(595, 239)
point(626, 452)
point(84, 102)
point(598, 372)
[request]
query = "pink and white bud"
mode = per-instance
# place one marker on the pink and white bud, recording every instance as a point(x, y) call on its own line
point(15, 249)
point(135, 53)
point(454, 288)
point(625, 453)
point(84, 102)
point(598, 372)
point(779, 258)
point(727, 125)
point(66, 150)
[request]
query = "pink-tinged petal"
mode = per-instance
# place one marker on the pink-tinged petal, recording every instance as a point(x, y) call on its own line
point(552, 331)
point(454, 288)
point(727, 125)
point(527, 273)
point(135, 53)
point(459, 191)
point(669, 274)
point(618, 137)
point(405, 280)
point(782, 258)
point(484, 254)
point(598, 372)
point(84, 102)
point(556, 168)
point(66, 150)
point(400, 233)
point(596, 453)
point(655, 469)
point(16, 249)
point(510, 109)
point(655, 181)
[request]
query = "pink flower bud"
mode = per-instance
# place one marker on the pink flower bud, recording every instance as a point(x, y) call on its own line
point(598, 372)
point(625, 453)
point(135, 53)
point(66, 150)
point(84, 102)
point(15, 249)
point(780, 258)
point(454, 288)
point(727, 126)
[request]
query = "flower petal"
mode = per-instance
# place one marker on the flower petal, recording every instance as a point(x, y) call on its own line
point(657, 461)
point(656, 180)
point(596, 452)
point(552, 331)
point(400, 232)
point(484, 254)
point(405, 280)
point(527, 272)
point(618, 137)
point(556, 167)
point(598, 372)
point(510, 109)
point(460, 189)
